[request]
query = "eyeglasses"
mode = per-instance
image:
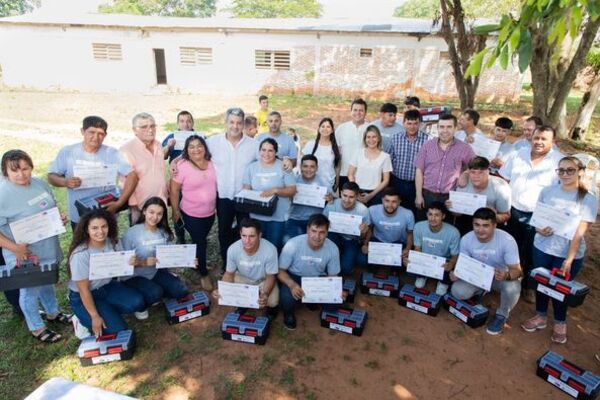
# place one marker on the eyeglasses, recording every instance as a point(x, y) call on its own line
point(567, 171)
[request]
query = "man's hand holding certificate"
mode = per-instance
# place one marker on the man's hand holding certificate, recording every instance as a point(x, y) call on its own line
point(347, 224)
point(238, 295)
point(385, 254)
point(111, 265)
point(176, 256)
point(474, 272)
point(322, 290)
point(485, 147)
point(180, 138)
point(466, 203)
point(37, 227)
point(310, 195)
point(426, 264)
point(95, 175)
point(563, 222)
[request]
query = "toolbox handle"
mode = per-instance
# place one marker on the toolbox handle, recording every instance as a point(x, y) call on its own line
point(32, 258)
point(556, 272)
point(185, 298)
point(108, 336)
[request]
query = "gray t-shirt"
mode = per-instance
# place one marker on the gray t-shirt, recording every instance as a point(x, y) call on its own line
point(301, 212)
point(286, 147)
point(73, 155)
point(144, 242)
point(79, 263)
point(299, 259)
point(18, 202)
point(387, 132)
point(256, 267)
point(497, 193)
point(500, 252)
point(391, 228)
point(359, 209)
point(444, 243)
point(586, 208)
point(261, 178)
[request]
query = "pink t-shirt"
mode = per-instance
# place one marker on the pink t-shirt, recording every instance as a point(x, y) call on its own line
point(198, 188)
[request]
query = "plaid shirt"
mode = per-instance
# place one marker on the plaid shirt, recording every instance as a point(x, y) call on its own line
point(403, 152)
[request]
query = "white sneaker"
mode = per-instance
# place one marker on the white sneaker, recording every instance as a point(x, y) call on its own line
point(141, 315)
point(420, 282)
point(81, 332)
point(441, 289)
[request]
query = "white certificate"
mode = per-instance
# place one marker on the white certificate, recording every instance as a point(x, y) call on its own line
point(37, 227)
point(385, 254)
point(348, 224)
point(253, 195)
point(310, 195)
point(474, 272)
point(93, 175)
point(238, 295)
point(180, 138)
point(176, 256)
point(563, 222)
point(425, 264)
point(485, 147)
point(111, 265)
point(467, 203)
point(322, 290)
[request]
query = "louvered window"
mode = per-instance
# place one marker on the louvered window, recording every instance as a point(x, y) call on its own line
point(272, 59)
point(191, 56)
point(107, 51)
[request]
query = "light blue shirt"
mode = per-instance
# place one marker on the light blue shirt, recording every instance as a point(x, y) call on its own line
point(256, 267)
point(286, 147)
point(444, 243)
point(18, 202)
point(586, 208)
point(261, 178)
point(144, 243)
point(387, 132)
point(301, 212)
point(80, 265)
point(72, 155)
point(500, 252)
point(299, 259)
point(359, 209)
point(391, 228)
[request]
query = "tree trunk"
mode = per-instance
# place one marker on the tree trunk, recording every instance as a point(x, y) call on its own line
point(586, 109)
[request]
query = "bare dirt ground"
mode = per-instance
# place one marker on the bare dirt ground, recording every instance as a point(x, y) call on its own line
point(401, 355)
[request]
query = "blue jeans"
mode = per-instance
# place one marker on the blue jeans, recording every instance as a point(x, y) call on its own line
point(519, 228)
point(293, 228)
point(111, 300)
point(29, 299)
point(350, 254)
point(273, 232)
point(164, 284)
point(199, 228)
point(225, 216)
point(541, 259)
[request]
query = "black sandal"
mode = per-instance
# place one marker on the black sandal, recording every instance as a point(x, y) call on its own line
point(60, 317)
point(48, 336)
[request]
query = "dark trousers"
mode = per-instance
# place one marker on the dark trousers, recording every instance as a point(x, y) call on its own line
point(374, 200)
point(287, 301)
point(428, 198)
point(408, 193)
point(227, 234)
point(519, 228)
point(199, 228)
point(541, 259)
point(163, 284)
point(350, 253)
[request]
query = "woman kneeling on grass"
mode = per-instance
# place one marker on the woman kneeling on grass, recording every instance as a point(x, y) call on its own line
point(21, 196)
point(100, 303)
point(151, 230)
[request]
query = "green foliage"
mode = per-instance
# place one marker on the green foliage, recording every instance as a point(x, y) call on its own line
point(276, 9)
point(17, 7)
point(171, 8)
point(560, 19)
point(593, 59)
point(473, 8)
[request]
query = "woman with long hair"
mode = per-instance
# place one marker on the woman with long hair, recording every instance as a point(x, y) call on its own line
point(152, 229)
point(195, 179)
point(325, 148)
point(268, 176)
point(99, 303)
point(371, 168)
point(555, 252)
point(21, 196)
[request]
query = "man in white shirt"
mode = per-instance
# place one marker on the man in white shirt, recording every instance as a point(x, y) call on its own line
point(232, 152)
point(528, 171)
point(467, 122)
point(349, 137)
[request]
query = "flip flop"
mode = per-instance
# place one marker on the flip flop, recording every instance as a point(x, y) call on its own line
point(62, 318)
point(48, 336)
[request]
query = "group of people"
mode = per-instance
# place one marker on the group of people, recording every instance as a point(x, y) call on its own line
point(392, 176)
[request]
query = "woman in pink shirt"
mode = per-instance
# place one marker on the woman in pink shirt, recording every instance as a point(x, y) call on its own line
point(194, 177)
